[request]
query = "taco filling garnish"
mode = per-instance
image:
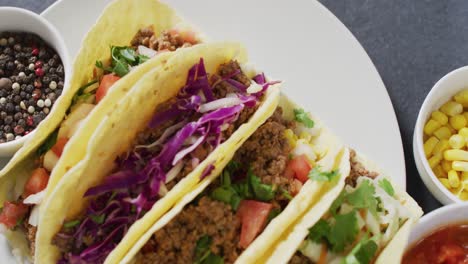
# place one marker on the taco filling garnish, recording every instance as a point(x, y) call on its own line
point(267, 171)
point(181, 134)
point(359, 224)
point(23, 213)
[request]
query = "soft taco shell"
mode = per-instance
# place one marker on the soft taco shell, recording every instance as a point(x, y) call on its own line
point(285, 248)
point(332, 153)
point(125, 120)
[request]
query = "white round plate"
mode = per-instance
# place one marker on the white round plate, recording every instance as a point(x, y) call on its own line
point(324, 68)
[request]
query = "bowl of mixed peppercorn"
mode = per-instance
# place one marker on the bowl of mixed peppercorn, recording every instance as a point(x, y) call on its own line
point(34, 66)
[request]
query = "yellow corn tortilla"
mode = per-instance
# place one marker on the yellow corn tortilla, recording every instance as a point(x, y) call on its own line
point(332, 154)
point(286, 247)
point(115, 135)
point(117, 26)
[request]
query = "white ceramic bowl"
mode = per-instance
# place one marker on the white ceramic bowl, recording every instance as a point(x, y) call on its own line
point(17, 19)
point(444, 216)
point(442, 92)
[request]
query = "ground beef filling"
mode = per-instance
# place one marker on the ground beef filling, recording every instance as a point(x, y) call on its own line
point(167, 40)
point(176, 242)
point(267, 153)
point(30, 234)
point(357, 170)
point(298, 258)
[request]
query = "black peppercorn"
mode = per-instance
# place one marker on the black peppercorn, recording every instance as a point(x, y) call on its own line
point(18, 116)
point(32, 59)
point(29, 88)
point(21, 122)
point(8, 120)
point(10, 66)
point(60, 70)
point(10, 108)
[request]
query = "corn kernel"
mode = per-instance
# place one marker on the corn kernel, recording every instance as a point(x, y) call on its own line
point(456, 141)
point(429, 146)
point(441, 147)
point(440, 117)
point(431, 126)
point(443, 133)
point(463, 196)
point(291, 137)
point(456, 154)
point(452, 108)
point(462, 98)
point(451, 129)
point(446, 165)
point(464, 178)
point(460, 165)
point(453, 179)
point(439, 172)
point(464, 131)
point(306, 136)
point(458, 122)
point(465, 114)
point(456, 191)
point(445, 182)
point(435, 160)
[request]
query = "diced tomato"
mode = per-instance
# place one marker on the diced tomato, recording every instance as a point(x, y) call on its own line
point(299, 167)
point(107, 81)
point(12, 213)
point(37, 182)
point(59, 146)
point(253, 215)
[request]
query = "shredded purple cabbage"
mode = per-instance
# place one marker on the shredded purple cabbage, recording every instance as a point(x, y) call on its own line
point(127, 194)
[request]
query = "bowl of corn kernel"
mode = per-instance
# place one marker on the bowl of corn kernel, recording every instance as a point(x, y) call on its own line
point(440, 140)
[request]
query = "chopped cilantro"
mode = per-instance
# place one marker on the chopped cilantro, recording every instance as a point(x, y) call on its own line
point(286, 194)
point(338, 233)
point(343, 231)
point(225, 194)
point(320, 231)
point(363, 197)
point(261, 191)
point(362, 253)
point(317, 175)
point(82, 95)
point(48, 143)
point(302, 117)
point(203, 254)
point(122, 59)
point(234, 193)
point(387, 186)
point(337, 203)
point(98, 219)
point(71, 224)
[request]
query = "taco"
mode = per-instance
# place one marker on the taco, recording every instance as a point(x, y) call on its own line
point(268, 182)
point(129, 33)
point(363, 219)
point(156, 145)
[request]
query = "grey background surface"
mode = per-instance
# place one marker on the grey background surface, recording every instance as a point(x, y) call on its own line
point(412, 44)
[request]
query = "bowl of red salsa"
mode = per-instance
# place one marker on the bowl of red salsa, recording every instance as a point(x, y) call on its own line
point(440, 237)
